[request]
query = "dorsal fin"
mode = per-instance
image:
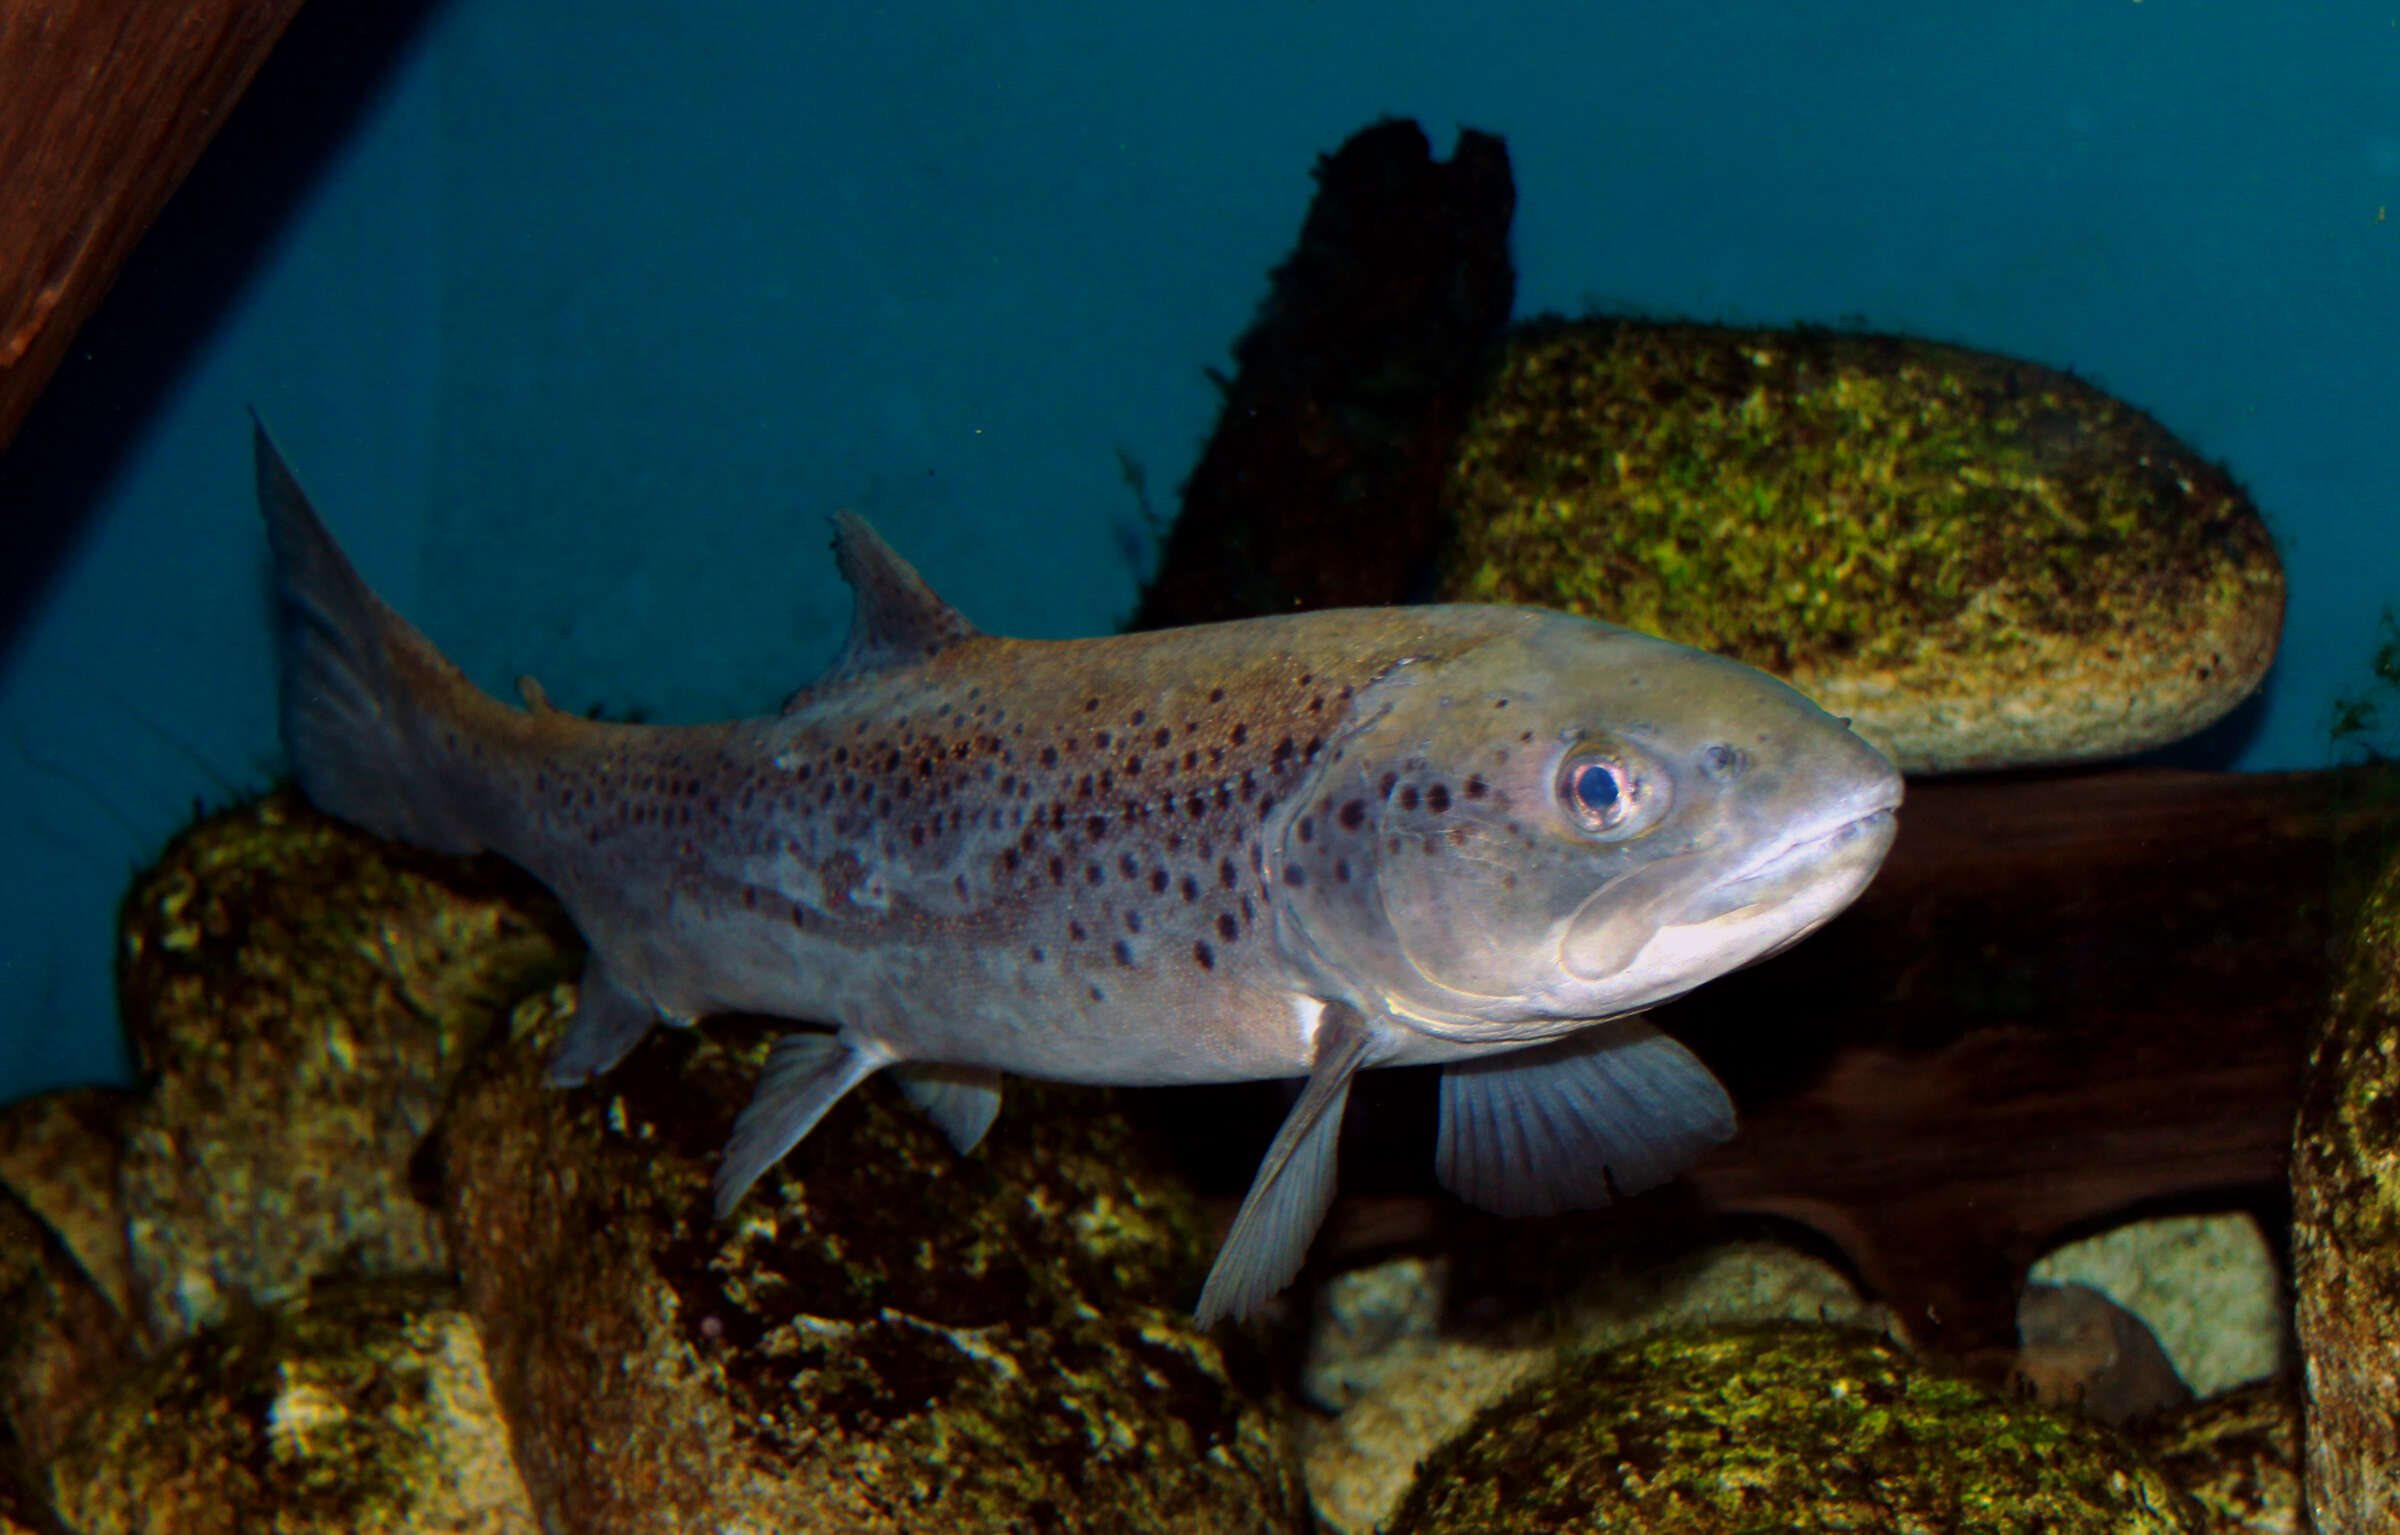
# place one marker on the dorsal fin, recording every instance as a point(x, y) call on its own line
point(897, 619)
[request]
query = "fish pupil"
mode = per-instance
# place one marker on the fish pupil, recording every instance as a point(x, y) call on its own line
point(1596, 790)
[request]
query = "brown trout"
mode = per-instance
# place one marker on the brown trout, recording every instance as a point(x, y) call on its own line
point(1283, 847)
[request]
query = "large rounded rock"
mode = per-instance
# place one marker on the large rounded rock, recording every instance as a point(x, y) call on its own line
point(886, 1336)
point(1982, 562)
point(301, 995)
point(2346, 1234)
point(358, 1410)
point(1783, 1427)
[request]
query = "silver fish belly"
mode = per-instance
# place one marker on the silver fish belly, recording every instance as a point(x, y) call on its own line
point(1303, 846)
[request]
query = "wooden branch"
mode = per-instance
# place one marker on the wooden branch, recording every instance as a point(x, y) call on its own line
point(105, 106)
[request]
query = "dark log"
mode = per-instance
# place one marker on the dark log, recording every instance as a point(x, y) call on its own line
point(1320, 486)
point(104, 107)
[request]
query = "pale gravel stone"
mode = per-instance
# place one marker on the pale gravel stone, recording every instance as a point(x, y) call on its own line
point(2206, 1285)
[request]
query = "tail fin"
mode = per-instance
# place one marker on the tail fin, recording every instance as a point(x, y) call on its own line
point(360, 686)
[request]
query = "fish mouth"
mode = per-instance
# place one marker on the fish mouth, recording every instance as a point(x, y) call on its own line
point(1807, 858)
point(1782, 895)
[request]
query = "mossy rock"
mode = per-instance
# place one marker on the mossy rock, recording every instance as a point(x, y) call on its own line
point(2346, 1233)
point(2237, 1455)
point(885, 1336)
point(1982, 562)
point(1780, 1427)
point(60, 1153)
point(361, 1409)
point(300, 995)
point(62, 1344)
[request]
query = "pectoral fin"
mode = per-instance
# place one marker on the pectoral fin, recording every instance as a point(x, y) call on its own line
point(1294, 1184)
point(1611, 1110)
point(609, 1021)
point(806, 1074)
point(961, 1099)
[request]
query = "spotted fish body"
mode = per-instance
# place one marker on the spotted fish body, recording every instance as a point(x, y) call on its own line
point(1294, 846)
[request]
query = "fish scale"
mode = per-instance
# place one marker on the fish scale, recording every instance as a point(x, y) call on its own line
point(1297, 846)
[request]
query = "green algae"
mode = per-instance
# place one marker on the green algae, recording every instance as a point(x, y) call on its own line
point(1779, 1427)
point(1799, 499)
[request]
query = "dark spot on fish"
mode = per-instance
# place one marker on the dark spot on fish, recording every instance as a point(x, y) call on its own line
point(1124, 953)
point(1133, 767)
point(1476, 787)
point(1196, 806)
point(750, 898)
point(1205, 955)
point(1191, 890)
point(1038, 953)
point(1091, 705)
point(1075, 930)
point(1283, 751)
point(1092, 875)
point(1408, 797)
point(1191, 760)
point(1354, 815)
point(1009, 860)
point(1294, 875)
point(799, 915)
point(1096, 827)
point(1308, 829)
point(1341, 870)
point(1216, 695)
point(1437, 798)
point(1390, 781)
point(1227, 928)
point(916, 835)
point(1049, 756)
point(1058, 871)
point(1499, 703)
point(1225, 874)
point(1158, 882)
point(1241, 733)
point(1133, 922)
point(1266, 802)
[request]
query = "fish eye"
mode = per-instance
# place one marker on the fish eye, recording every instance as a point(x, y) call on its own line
point(1603, 795)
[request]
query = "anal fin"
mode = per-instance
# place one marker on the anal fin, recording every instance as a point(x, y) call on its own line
point(962, 1100)
point(805, 1075)
point(1294, 1184)
point(609, 1021)
point(1610, 1110)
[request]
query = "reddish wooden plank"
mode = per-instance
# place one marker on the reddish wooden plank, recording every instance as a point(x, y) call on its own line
point(104, 107)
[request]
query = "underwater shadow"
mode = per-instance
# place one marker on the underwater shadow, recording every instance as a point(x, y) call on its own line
point(168, 302)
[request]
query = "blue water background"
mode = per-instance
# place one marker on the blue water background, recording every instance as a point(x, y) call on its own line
point(593, 312)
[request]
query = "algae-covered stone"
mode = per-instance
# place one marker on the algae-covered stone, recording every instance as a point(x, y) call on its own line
point(2346, 1233)
point(2236, 1455)
point(361, 1409)
point(1780, 1427)
point(59, 1152)
point(1980, 561)
point(300, 994)
point(1427, 1383)
point(885, 1336)
point(62, 1345)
